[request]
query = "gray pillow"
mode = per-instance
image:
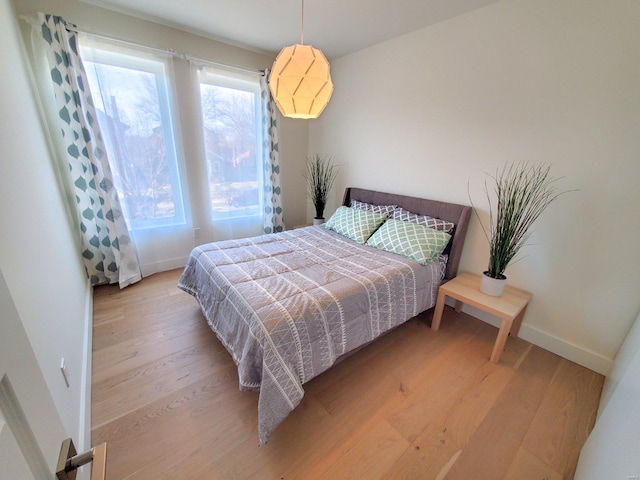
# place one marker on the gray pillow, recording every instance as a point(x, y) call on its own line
point(406, 216)
point(388, 209)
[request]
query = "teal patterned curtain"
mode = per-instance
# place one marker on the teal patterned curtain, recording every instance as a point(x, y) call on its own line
point(273, 221)
point(107, 250)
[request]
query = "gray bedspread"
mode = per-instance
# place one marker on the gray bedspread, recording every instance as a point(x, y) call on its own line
point(287, 305)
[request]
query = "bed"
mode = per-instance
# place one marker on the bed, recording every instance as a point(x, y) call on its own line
point(288, 306)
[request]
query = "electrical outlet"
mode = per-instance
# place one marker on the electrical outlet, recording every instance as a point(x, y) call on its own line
point(196, 232)
point(63, 369)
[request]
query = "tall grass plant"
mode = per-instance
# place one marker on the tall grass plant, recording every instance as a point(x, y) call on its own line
point(517, 195)
point(320, 175)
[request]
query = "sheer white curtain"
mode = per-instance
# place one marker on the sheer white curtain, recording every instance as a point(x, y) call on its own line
point(132, 90)
point(232, 137)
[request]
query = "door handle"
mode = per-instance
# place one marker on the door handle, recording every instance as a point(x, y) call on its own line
point(69, 461)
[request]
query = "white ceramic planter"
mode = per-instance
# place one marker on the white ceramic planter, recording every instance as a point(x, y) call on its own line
point(318, 221)
point(492, 286)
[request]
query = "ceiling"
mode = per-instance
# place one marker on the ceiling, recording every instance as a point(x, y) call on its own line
point(337, 27)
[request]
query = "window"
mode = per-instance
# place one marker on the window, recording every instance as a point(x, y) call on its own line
point(131, 95)
point(231, 122)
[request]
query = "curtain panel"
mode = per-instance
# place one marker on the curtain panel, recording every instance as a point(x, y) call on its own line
point(107, 250)
point(273, 220)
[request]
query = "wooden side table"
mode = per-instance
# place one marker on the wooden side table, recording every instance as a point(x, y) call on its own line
point(509, 307)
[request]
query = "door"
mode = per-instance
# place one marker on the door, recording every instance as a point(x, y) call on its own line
point(31, 430)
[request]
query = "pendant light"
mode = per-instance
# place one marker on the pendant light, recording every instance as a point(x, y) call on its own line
point(300, 81)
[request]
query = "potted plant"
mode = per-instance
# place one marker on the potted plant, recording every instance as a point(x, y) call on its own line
point(522, 192)
point(320, 176)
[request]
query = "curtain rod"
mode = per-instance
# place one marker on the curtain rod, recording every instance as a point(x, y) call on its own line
point(200, 62)
point(35, 23)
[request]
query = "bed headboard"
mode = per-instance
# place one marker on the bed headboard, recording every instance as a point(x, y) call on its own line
point(458, 214)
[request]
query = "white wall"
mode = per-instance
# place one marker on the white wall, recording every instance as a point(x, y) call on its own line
point(552, 81)
point(293, 155)
point(611, 451)
point(38, 254)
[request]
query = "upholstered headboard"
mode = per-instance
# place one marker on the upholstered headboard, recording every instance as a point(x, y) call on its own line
point(458, 214)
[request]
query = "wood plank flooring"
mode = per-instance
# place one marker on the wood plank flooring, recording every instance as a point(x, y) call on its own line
point(415, 404)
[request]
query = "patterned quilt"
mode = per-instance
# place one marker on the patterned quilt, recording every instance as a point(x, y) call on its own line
point(287, 305)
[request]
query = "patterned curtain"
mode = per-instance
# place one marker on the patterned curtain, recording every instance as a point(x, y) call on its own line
point(273, 221)
point(107, 250)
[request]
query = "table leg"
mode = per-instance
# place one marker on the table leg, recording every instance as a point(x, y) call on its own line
point(437, 314)
point(503, 333)
point(458, 306)
point(515, 328)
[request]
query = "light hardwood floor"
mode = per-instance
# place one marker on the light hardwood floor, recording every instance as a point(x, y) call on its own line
point(414, 404)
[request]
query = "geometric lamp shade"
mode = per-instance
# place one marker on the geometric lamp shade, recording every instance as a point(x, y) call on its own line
point(300, 81)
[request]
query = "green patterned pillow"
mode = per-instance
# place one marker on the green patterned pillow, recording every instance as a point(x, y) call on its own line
point(355, 224)
point(418, 242)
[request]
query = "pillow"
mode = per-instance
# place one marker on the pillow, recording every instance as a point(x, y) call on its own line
point(407, 216)
point(418, 242)
point(388, 209)
point(355, 224)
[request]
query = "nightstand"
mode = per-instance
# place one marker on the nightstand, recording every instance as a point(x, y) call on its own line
point(509, 307)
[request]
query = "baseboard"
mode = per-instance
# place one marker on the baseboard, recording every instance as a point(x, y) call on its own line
point(84, 435)
point(580, 355)
point(577, 354)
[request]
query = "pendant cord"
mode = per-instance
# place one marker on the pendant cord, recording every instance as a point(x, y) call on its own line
point(302, 26)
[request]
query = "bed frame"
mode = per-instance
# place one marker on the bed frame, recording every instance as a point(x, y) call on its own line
point(452, 212)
